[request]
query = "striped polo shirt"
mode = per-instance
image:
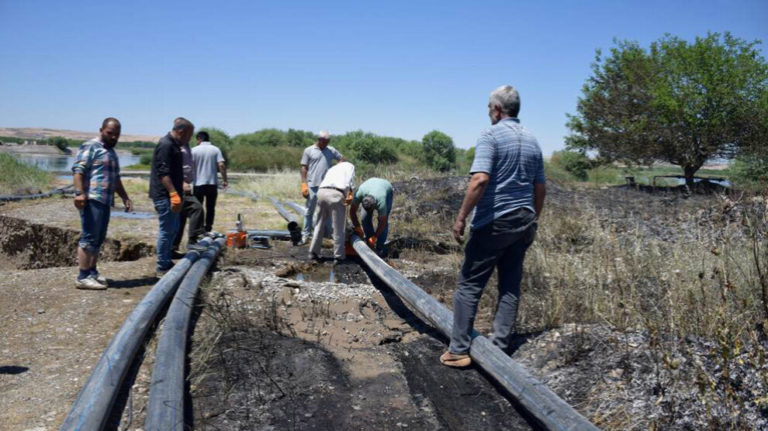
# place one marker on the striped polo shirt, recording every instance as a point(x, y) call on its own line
point(511, 156)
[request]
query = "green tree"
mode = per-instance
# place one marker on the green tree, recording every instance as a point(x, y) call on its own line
point(439, 151)
point(684, 103)
point(368, 147)
point(59, 142)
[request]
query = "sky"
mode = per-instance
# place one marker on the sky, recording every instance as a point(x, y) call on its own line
point(394, 68)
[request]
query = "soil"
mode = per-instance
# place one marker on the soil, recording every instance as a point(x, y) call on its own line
point(281, 342)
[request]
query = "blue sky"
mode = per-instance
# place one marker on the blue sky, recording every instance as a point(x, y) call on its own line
point(397, 68)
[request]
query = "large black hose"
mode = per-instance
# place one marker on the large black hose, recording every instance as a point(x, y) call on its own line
point(275, 234)
point(293, 222)
point(165, 411)
point(94, 403)
point(302, 211)
point(58, 191)
point(550, 410)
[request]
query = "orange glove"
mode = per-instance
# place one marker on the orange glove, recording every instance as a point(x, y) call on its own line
point(359, 232)
point(305, 190)
point(350, 196)
point(372, 241)
point(175, 202)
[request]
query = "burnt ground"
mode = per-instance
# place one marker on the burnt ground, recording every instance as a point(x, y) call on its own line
point(320, 355)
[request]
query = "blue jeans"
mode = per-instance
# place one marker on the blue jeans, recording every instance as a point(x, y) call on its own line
point(94, 219)
point(367, 223)
point(500, 244)
point(168, 226)
point(308, 217)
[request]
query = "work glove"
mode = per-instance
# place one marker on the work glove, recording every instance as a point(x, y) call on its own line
point(175, 202)
point(359, 232)
point(305, 190)
point(350, 196)
point(372, 241)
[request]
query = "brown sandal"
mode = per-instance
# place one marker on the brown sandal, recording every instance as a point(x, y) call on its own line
point(455, 360)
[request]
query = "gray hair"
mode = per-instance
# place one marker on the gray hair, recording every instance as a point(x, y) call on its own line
point(181, 124)
point(508, 98)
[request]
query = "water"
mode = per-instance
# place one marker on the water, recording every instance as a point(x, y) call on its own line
point(133, 215)
point(321, 274)
point(63, 163)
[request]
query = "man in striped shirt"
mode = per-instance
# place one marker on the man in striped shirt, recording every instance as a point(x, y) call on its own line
point(96, 177)
point(506, 190)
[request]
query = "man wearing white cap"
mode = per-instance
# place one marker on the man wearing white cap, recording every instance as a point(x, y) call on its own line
point(315, 162)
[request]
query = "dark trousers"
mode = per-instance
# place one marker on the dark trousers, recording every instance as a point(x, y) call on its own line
point(208, 193)
point(192, 210)
point(502, 245)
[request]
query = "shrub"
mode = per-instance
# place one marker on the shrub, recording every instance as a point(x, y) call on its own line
point(749, 172)
point(145, 159)
point(575, 162)
point(367, 147)
point(439, 151)
point(262, 158)
point(60, 143)
point(18, 175)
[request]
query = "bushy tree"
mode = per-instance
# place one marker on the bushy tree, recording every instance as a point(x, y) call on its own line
point(684, 103)
point(574, 162)
point(438, 151)
point(750, 172)
point(367, 147)
point(59, 142)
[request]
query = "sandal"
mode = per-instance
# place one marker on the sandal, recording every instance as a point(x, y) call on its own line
point(455, 360)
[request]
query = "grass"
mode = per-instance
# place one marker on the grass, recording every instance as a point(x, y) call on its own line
point(17, 175)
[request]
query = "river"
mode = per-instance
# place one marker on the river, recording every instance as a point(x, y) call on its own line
point(62, 163)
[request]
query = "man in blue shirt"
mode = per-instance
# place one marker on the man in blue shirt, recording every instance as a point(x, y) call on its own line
point(506, 190)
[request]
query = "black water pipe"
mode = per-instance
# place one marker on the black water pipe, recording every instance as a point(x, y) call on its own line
point(274, 234)
point(165, 411)
point(293, 222)
point(300, 210)
point(94, 403)
point(59, 191)
point(544, 405)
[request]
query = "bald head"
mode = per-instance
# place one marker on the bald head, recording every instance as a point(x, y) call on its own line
point(110, 120)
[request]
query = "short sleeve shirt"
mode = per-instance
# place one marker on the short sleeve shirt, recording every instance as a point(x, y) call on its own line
point(100, 168)
point(206, 158)
point(318, 162)
point(380, 189)
point(512, 158)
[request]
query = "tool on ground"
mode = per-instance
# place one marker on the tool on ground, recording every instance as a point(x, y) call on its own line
point(237, 238)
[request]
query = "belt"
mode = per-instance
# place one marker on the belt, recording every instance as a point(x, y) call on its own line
point(334, 188)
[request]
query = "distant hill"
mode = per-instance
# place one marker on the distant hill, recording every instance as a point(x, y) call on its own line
point(35, 133)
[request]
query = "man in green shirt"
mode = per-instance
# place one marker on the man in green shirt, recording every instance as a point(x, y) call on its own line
point(375, 194)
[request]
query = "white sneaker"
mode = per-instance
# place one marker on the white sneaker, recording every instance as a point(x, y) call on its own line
point(100, 278)
point(89, 283)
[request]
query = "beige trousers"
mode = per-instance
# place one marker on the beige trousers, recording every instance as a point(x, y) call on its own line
point(330, 205)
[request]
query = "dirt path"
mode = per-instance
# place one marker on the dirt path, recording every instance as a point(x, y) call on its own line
point(53, 334)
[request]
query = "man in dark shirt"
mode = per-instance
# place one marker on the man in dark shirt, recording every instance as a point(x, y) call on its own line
point(191, 208)
point(165, 183)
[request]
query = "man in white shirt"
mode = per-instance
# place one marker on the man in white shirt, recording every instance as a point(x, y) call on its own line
point(208, 160)
point(333, 194)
